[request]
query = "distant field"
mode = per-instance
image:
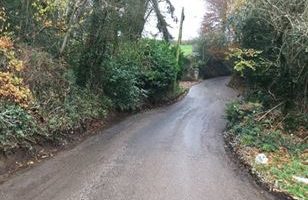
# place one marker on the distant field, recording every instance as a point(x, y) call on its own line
point(187, 49)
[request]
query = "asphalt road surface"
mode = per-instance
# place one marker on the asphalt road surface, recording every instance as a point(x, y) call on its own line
point(171, 153)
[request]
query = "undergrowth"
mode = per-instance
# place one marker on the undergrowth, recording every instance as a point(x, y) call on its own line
point(138, 73)
point(259, 129)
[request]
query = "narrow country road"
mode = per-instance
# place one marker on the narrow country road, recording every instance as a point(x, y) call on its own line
point(171, 153)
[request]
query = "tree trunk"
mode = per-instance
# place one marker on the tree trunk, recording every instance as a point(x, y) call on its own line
point(162, 24)
point(70, 24)
point(180, 37)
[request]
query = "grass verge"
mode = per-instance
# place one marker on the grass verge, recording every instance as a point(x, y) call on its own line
point(187, 49)
point(252, 130)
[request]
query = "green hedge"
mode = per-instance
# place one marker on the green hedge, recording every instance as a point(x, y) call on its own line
point(139, 72)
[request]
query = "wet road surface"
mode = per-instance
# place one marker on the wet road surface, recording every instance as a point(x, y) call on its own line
point(171, 153)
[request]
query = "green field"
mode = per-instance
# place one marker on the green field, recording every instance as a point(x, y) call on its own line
point(187, 49)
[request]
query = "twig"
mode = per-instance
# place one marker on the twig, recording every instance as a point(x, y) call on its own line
point(305, 139)
point(269, 111)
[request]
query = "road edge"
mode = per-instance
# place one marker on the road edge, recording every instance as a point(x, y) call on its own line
point(239, 158)
point(23, 161)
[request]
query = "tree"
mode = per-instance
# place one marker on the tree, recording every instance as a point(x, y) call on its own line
point(162, 25)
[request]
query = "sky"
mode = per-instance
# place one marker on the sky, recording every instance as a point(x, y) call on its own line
point(194, 11)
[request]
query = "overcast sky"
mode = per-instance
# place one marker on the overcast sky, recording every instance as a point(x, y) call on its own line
point(194, 11)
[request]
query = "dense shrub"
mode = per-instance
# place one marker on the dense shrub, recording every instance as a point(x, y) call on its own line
point(278, 30)
point(159, 68)
point(78, 106)
point(270, 39)
point(244, 122)
point(122, 84)
point(141, 71)
point(236, 111)
point(12, 87)
point(18, 129)
point(136, 73)
point(252, 66)
point(76, 60)
point(60, 103)
point(122, 77)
